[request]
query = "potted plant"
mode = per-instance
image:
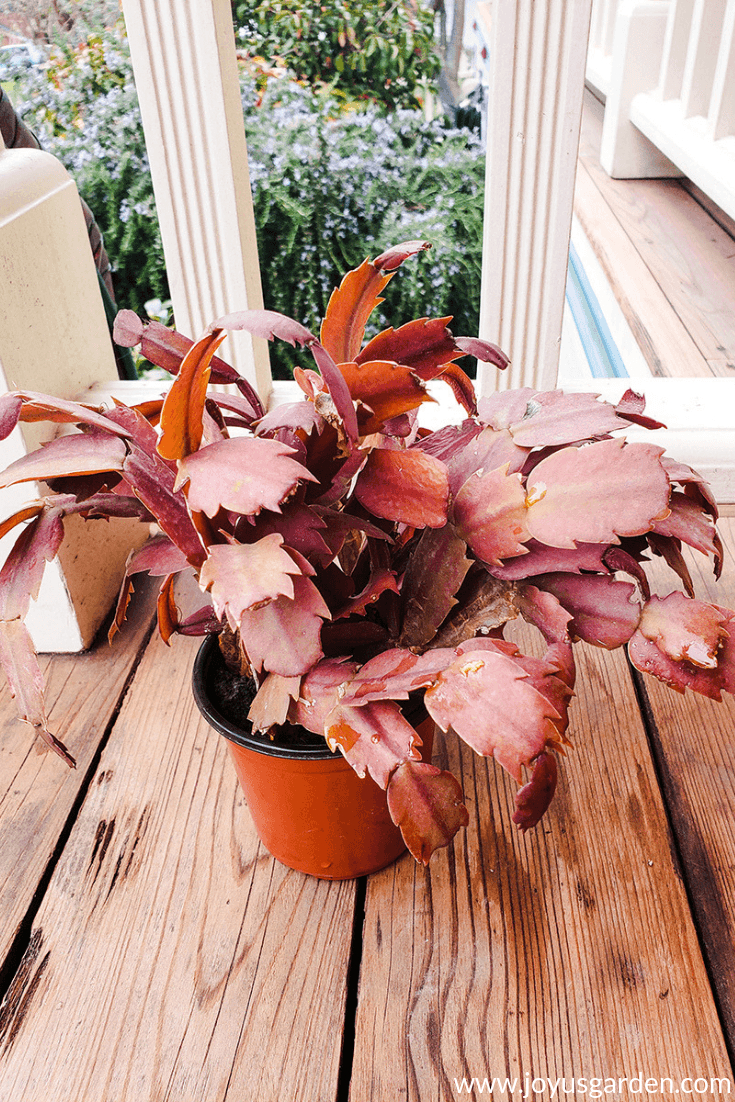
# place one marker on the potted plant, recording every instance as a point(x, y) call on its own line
point(359, 568)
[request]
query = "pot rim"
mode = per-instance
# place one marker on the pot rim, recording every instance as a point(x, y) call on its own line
point(234, 733)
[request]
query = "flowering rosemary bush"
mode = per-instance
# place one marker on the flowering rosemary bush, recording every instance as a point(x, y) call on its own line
point(351, 558)
point(327, 185)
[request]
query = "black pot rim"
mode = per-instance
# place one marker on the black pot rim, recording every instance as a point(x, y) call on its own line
point(231, 731)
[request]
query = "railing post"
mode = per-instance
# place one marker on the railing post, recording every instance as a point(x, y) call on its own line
point(538, 58)
point(185, 67)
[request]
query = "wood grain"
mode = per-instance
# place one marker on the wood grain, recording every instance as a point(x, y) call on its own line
point(173, 958)
point(568, 952)
point(37, 790)
point(695, 741)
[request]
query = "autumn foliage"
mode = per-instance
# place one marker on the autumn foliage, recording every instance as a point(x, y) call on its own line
point(357, 559)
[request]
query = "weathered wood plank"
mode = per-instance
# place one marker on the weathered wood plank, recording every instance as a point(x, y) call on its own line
point(37, 790)
point(172, 957)
point(695, 741)
point(568, 952)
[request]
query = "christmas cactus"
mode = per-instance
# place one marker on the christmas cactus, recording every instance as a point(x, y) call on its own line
point(351, 558)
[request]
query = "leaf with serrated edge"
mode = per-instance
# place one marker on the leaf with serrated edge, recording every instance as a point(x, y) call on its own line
point(532, 801)
point(425, 802)
point(244, 474)
point(272, 701)
point(404, 485)
point(348, 310)
point(690, 523)
point(553, 417)
point(79, 453)
point(604, 610)
point(183, 409)
point(320, 691)
point(596, 493)
point(486, 698)
point(242, 576)
point(387, 389)
point(684, 629)
point(284, 635)
point(157, 557)
point(394, 674)
point(19, 661)
point(374, 738)
point(680, 675)
point(22, 572)
point(435, 572)
point(490, 515)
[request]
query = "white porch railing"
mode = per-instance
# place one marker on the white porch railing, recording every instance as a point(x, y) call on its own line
point(671, 96)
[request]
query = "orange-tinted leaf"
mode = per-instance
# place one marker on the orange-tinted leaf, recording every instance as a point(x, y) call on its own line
point(461, 386)
point(349, 308)
point(374, 738)
point(404, 485)
point(388, 388)
point(183, 409)
point(80, 453)
point(19, 661)
point(425, 802)
point(423, 345)
point(490, 515)
point(168, 614)
point(684, 629)
point(121, 608)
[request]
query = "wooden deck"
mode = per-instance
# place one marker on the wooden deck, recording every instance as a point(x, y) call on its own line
point(153, 951)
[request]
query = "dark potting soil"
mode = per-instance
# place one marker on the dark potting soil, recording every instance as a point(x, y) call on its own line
point(232, 696)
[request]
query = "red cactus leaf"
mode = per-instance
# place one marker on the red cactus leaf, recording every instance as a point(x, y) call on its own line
point(10, 407)
point(183, 408)
point(488, 451)
point(694, 485)
point(127, 330)
point(157, 557)
point(648, 657)
point(19, 661)
point(22, 572)
point(380, 582)
point(449, 442)
point(293, 415)
point(670, 550)
point(244, 475)
point(423, 345)
point(532, 801)
point(541, 559)
point(243, 576)
point(485, 696)
point(388, 389)
point(79, 453)
point(121, 608)
point(596, 493)
point(483, 351)
point(393, 257)
point(374, 738)
point(617, 559)
point(272, 701)
point(348, 310)
point(395, 674)
point(631, 407)
point(153, 483)
point(461, 386)
point(604, 610)
point(300, 525)
point(433, 576)
point(690, 523)
point(404, 485)
point(201, 622)
point(490, 515)
point(320, 692)
point(23, 514)
point(684, 629)
point(268, 324)
point(425, 802)
point(168, 614)
point(505, 407)
point(283, 635)
point(42, 407)
point(553, 417)
point(338, 390)
point(542, 609)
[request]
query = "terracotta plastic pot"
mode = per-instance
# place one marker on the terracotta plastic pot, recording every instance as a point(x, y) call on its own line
point(310, 809)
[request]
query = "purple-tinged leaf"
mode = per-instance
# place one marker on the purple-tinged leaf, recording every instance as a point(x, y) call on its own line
point(283, 636)
point(618, 560)
point(21, 575)
point(670, 550)
point(505, 407)
point(541, 559)
point(532, 801)
point(386, 388)
point(18, 659)
point(486, 605)
point(153, 483)
point(300, 525)
point(681, 674)
point(374, 738)
point(341, 480)
point(450, 441)
point(596, 493)
point(166, 610)
point(552, 418)
point(690, 523)
point(694, 485)
point(43, 407)
point(684, 629)
point(268, 324)
point(381, 581)
point(393, 257)
point(631, 407)
point(159, 556)
point(127, 330)
point(543, 610)
point(488, 451)
point(342, 521)
point(10, 407)
point(243, 576)
point(201, 622)
point(395, 674)
point(301, 416)
point(423, 345)
point(435, 571)
point(320, 692)
point(236, 403)
point(605, 612)
point(404, 485)
point(483, 351)
point(244, 475)
point(79, 453)
point(460, 385)
point(486, 698)
point(425, 802)
point(338, 389)
point(490, 515)
point(272, 701)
